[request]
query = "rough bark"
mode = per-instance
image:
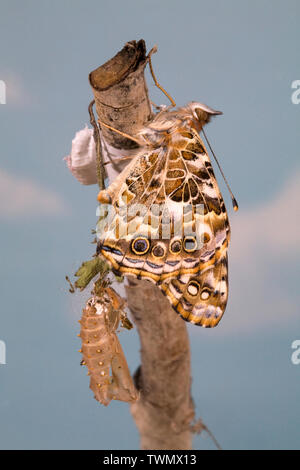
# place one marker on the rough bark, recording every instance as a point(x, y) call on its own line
point(121, 94)
point(165, 410)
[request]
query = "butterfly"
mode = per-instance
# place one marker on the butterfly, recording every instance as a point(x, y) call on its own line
point(168, 222)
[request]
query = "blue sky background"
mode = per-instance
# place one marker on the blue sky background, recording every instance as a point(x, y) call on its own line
point(237, 56)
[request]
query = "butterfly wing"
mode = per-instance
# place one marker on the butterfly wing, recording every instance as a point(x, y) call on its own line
point(157, 233)
point(200, 299)
point(156, 199)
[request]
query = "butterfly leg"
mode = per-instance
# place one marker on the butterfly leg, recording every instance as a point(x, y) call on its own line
point(121, 133)
point(153, 50)
point(97, 138)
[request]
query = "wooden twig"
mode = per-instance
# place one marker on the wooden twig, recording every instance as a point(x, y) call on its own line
point(165, 410)
point(97, 139)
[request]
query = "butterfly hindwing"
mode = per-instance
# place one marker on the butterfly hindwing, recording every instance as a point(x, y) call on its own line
point(201, 299)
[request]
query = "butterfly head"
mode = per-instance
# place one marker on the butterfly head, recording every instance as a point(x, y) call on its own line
point(200, 114)
point(167, 121)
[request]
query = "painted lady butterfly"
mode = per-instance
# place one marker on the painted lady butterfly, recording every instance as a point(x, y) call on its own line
point(169, 222)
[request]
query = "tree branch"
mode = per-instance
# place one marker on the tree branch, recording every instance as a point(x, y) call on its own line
point(165, 410)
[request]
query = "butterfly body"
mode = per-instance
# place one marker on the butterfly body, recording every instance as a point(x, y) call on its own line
point(169, 222)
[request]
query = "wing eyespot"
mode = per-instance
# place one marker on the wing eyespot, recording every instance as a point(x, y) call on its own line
point(158, 251)
point(190, 244)
point(140, 245)
point(175, 246)
point(193, 288)
point(205, 294)
point(206, 237)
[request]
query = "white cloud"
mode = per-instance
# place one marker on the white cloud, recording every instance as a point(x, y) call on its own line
point(273, 226)
point(263, 255)
point(17, 95)
point(263, 258)
point(24, 197)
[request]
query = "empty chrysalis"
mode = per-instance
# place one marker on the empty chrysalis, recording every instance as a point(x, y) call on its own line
point(101, 349)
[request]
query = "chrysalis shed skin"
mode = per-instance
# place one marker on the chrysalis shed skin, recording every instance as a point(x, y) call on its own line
point(102, 351)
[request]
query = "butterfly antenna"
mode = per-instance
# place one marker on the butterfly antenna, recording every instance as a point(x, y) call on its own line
point(234, 201)
point(153, 50)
